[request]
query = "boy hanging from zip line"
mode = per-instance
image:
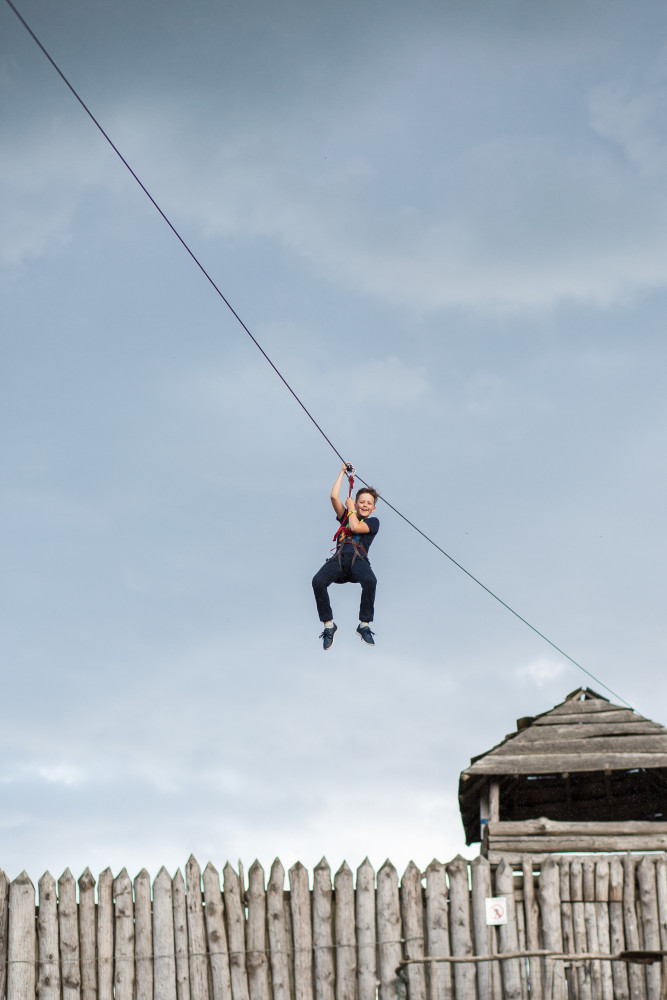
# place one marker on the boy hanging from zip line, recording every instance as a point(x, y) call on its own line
point(349, 563)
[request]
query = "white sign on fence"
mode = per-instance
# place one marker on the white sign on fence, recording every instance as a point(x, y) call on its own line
point(496, 910)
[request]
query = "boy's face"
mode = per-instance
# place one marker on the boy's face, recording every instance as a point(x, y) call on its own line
point(365, 504)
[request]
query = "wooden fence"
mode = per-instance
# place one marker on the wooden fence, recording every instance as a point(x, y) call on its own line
point(193, 939)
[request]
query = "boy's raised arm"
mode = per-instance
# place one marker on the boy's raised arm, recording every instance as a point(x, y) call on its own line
point(336, 501)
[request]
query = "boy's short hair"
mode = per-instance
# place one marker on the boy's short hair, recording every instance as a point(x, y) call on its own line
point(367, 489)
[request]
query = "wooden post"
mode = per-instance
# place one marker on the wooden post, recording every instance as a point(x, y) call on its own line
point(483, 811)
point(21, 940)
point(124, 938)
point(164, 950)
point(366, 936)
point(635, 972)
point(483, 935)
point(661, 892)
point(48, 977)
point(180, 938)
point(590, 920)
point(649, 918)
point(234, 910)
point(323, 932)
point(216, 939)
point(579, 928)
point(494, 801)
point(507, 933)
point(619, 970)
point(549, 899)
point(388, 930)
point(412, 913)
point(196, 933)
point(602, 917)
point(105, 935)
point(459, 924)
point(532, 915)
point(256, 948)
point(143, 929)
point(566, 906)
point(521, 939)
point(278, 939)
point(437, 932)
point(4, 924)
point(69, 937)
point(87, 936)
point(301, 929)
point(346, 943)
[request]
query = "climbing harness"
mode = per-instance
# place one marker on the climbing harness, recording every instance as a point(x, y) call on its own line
point(344, 535)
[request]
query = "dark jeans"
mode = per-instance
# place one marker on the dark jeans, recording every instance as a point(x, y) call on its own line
point(357, 571)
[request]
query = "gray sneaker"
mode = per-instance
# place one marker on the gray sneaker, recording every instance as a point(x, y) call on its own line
point(365, 634)
point(327, 636)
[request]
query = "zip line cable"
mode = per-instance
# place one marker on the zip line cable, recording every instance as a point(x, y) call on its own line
point(276, 370)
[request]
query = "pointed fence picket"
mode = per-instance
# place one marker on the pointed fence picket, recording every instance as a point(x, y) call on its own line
point(422, 936)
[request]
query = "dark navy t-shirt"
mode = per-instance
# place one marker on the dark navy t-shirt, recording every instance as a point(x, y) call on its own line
point(365, 538)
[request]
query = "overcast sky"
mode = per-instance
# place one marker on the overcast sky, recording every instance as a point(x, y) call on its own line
point(446, 222)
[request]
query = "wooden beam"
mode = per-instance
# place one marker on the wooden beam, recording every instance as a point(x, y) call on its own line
point(537, 763)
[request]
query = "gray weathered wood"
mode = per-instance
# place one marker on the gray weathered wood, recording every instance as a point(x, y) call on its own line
point(143, 937)
point(164, 971)
point(602, 918)
point(459, 925)
point(48, 973)
point(590, 921)
point(656, 743)
point(21, 940)
point(180, 938)
point(87, 936)
point(483, 935)
point(548, 894)
point(197, 946)
point(532, 920)
point(494, 801)
point(517, 846)
point(437, 932)
point(619, 970)
point(278, 939)
point(302, 932)
point(588, 727)
point(649, 920)
point(548, 827)
point(123, 938)
point(216, 938)
point(412, 913)
point(521, 940)
point(579, 928)
point(105, 921)
point(235, 913)
point(346, 944)
point(367, 979)
point(661, 893)
point(507, 933)
point(68, 928)
point(635, 972)
point(4, 926)
point(579, 761)
point(591, 706)
point(323, 955)
point(388, 930)
point(256, 945)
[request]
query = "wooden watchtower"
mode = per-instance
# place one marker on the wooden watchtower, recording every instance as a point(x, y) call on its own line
point(586, 776)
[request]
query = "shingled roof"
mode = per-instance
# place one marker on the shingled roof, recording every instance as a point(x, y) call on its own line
point(585, 733)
